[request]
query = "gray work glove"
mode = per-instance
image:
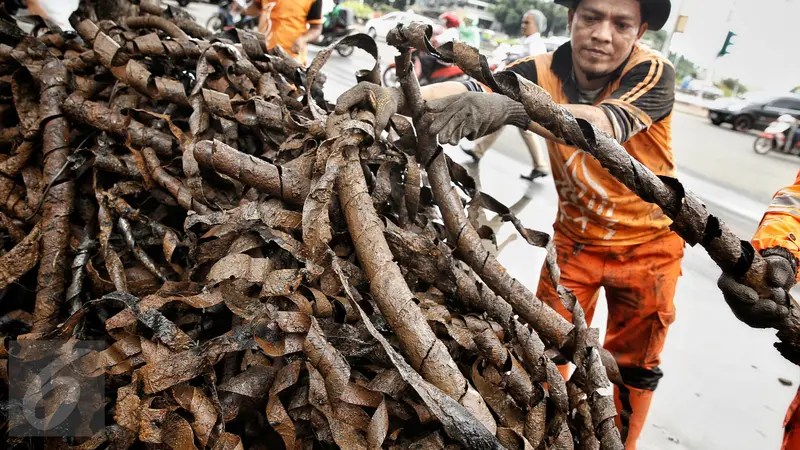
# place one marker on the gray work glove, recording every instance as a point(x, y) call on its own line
point(745, 302)
point(384, 102)
point(474, 114)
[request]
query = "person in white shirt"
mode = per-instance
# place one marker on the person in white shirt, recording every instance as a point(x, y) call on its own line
point(533, 23)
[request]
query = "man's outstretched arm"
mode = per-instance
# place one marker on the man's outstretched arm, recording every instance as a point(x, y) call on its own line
point(776, 240)
point(592, 114)
point(453, 100)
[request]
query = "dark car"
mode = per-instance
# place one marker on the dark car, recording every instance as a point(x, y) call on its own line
point(754, 110)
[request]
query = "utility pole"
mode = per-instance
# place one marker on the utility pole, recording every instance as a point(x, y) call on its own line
point(730, 13)
point(725, 44)
point(679, 27)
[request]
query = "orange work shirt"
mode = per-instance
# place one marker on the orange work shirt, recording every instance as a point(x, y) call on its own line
point(780, 226)
point(283, 21)
point(594, 207)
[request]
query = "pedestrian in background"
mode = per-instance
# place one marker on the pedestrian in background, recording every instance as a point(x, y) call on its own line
point(469, 33)
point(292, 24)
point(533, 23)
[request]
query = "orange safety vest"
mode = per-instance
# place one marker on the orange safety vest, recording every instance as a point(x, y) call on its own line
point(595, 208)
point(283, 21)
point(780, 227)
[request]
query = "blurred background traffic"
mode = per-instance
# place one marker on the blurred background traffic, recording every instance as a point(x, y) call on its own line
point(733, 61)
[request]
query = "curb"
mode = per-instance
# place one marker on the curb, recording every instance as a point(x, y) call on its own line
point(689, 108)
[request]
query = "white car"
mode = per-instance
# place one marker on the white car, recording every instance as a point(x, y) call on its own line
point(380, 26)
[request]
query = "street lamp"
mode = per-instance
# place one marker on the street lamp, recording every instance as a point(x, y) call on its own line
point(680, 27)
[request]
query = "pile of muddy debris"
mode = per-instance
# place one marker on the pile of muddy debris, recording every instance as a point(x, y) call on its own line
point(261, 272)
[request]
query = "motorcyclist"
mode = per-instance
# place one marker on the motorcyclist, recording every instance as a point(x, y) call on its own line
point(793, 135)
point(332, 19)
point(426, 64)
point(450, 33)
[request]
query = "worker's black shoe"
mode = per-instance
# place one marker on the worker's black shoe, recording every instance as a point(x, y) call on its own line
point(535, 173)
point(472, 154)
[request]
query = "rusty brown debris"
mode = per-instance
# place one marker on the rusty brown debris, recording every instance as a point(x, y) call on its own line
point(266, 273)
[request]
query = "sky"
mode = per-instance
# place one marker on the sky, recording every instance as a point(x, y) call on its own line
point(766, 50)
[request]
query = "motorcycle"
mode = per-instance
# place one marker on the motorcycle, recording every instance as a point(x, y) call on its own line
point(340, 27)
point(229, 15)
point(780, 135)
point(428, 69)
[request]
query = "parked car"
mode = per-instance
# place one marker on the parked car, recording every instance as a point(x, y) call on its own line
point(754, 110)
point(380, 26)
point(702, 89)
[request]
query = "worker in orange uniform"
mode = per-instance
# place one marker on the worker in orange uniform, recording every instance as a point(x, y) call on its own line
point(605, 235)
point(292, 24)
point(777, 241)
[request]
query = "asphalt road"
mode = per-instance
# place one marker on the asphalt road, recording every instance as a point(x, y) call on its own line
point(721, 389)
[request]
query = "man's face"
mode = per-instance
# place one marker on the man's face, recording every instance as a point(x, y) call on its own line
point(529, 26)
point(604, 33)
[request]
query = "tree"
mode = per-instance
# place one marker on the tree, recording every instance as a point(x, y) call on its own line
point(655, 39)
point(683, 67)
point(557, 18)
point(732, 87)
point(509, 14)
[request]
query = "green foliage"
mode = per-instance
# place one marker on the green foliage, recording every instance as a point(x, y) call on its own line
point(655, 39)
point(505, 40)
point(731, 87)
point(683, 67)
point(362, 11)
point(509, 14)
point(383, 8)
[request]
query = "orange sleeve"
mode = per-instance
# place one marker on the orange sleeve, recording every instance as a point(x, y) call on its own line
point(314, 16)
point(780, 226)
point(486, 88)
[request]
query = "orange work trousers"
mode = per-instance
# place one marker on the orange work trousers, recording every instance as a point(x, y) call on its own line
point(791, 426)
point(639, 282)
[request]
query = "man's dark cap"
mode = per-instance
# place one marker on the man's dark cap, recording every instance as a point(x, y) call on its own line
point(654, 12)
